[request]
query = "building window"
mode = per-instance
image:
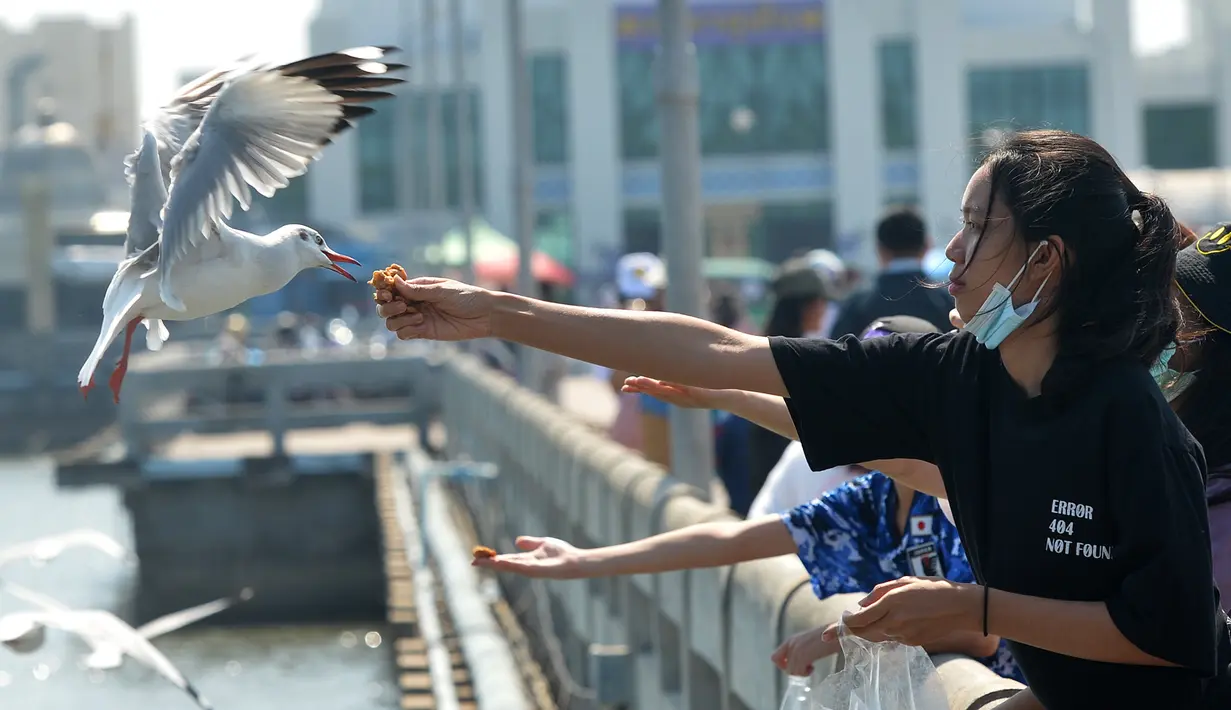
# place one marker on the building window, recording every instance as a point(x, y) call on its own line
point(549, 86)
point(453, 185)
point(13, 315)
point(643, 230)
point(764, 83)
point(1028, 97)
point(775, 231)
point(377, 183)
point(420, 168)
point(791, 228)
point(768, 98)
point(897, 79)
point(1180, 137)
point(638, 110)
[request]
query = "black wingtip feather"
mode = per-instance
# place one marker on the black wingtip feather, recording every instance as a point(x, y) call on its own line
point(364, 82)
point(336, 72)
point(330, 59)
point(351, 112)
point(350, 79)
point(350, 96)
point(196, 696)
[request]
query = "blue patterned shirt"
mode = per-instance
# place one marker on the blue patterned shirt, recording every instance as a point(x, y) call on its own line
point(848, 541)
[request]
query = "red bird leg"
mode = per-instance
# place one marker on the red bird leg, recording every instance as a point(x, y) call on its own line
point(121, 368)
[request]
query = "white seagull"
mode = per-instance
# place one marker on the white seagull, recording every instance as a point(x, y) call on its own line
point(26, 635)
point(46, 548)
point(240, 128)
point(109, 637)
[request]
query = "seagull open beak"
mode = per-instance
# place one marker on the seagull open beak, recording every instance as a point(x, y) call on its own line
point(335, 258)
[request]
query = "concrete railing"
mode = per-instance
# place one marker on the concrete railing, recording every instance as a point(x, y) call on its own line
point(696, 640)
point(154, 406)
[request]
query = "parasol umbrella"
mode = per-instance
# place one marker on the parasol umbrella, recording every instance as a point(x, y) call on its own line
point(489, 244)
point(495, 256)
point(503, 270)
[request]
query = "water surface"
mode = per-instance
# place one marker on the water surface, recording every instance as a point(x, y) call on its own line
point(344, 667)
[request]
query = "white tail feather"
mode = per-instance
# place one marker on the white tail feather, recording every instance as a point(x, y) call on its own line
point(118, 306)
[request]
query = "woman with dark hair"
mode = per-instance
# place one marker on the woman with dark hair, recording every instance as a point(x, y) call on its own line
point(803, 307)
point(1195, 376)
point(1079, 495)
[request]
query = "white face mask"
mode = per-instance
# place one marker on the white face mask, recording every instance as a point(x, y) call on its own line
point(997, 319)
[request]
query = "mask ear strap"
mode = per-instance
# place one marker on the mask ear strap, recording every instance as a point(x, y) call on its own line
point(1040, 291)
point(1022, 271)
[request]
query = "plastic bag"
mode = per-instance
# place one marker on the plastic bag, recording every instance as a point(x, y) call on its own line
point(798, 694)
point(880, 676)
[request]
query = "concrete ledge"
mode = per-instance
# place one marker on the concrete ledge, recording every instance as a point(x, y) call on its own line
point(731, 619)
point(493, 670)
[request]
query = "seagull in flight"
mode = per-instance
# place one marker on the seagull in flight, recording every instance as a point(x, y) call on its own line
point(249, 126)
point(109, 637)
point(45, 549)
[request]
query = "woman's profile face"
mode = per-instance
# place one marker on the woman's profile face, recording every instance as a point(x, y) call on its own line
point(996, 260)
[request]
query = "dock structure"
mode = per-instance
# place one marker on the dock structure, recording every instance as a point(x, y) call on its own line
point(308, 503)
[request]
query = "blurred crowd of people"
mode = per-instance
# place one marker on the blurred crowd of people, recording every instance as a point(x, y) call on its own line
point(814, 294)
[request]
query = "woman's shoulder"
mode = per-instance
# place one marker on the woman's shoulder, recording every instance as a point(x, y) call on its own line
point(1129, 393)
point(952, 346)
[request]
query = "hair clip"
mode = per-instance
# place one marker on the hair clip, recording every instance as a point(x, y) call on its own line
point(1135, 215)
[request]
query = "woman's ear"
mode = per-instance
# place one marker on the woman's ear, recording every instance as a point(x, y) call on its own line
point(1051, 256)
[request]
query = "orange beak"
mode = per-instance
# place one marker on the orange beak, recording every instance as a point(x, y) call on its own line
point(335, 258)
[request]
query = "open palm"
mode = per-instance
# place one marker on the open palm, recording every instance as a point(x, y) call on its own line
point(545, 557)
point(669, 392)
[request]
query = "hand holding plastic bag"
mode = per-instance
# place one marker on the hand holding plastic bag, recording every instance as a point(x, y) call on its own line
point(798, 694)
point(880, 676)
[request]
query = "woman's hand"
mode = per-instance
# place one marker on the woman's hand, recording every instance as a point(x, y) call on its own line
point(955, 319)
point(439, 309)
point(915, 611)
point(680, 395)
point(545, 557)
point(797, 654)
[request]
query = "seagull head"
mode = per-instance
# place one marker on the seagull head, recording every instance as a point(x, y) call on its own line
point(313, 250)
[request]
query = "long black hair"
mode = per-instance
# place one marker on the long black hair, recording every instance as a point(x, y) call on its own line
point(1115, 296)
point(1205, 406)
point(786, 318)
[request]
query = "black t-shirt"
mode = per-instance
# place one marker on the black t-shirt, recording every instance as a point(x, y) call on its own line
point(1092, 491)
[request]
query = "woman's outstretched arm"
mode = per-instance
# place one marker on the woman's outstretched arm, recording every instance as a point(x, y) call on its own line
point(693, 547)
point(665, 346)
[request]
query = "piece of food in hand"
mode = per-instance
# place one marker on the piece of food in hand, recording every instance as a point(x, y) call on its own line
point(482, 551)
point(383, 281)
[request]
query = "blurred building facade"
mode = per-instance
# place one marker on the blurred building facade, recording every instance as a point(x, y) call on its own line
point(68, 115)
point(815, 114)
point(88, 69)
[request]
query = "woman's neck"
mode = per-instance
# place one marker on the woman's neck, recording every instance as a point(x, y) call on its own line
point(1028, 354)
